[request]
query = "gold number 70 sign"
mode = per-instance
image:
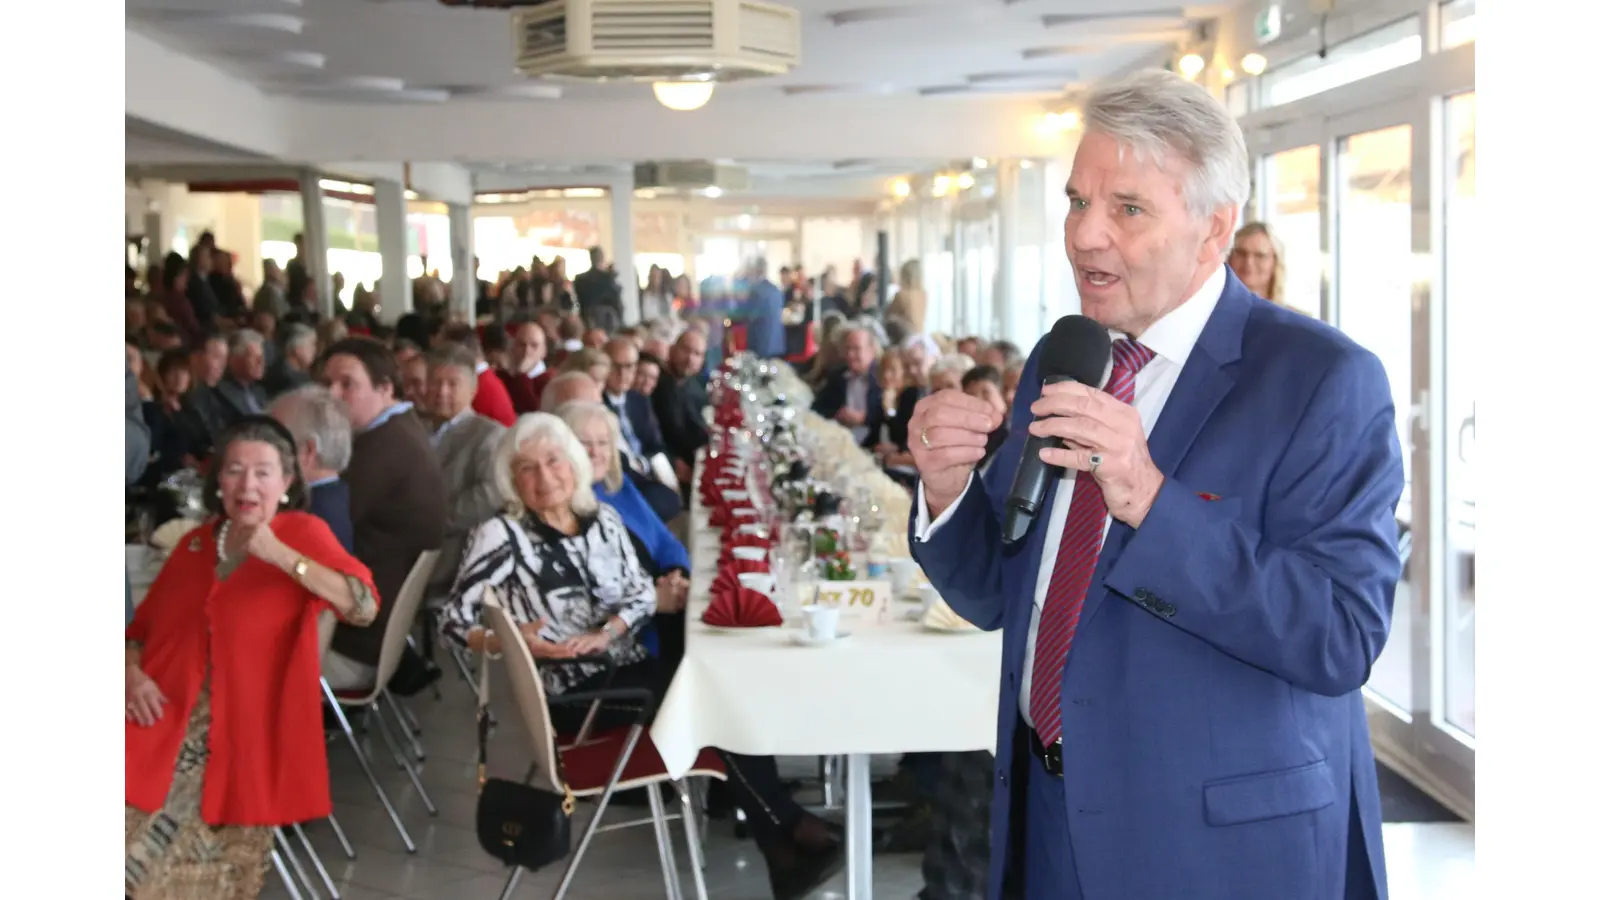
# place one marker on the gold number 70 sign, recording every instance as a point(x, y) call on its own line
point(854, 596)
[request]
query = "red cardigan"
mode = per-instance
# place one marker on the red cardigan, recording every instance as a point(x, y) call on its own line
point(258, 630)
point(524, 391)
point(492, 400)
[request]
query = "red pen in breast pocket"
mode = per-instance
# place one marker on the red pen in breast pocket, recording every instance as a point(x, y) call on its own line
point(1208, 497)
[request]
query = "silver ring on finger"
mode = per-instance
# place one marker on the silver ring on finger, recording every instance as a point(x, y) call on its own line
point(1095, 460)
point(925, 441)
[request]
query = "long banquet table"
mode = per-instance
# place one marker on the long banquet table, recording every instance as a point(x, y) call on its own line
point(892, 688)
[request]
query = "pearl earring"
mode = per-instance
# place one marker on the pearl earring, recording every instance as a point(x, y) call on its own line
point(219, 493)
point(285, 499)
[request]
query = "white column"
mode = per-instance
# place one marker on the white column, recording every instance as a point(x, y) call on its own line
point(394, 285)
point(314, 240)
point(621, 250)
point(464, 283)
point(1005, 299)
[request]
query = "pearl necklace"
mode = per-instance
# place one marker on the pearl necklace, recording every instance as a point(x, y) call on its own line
point(222, 541)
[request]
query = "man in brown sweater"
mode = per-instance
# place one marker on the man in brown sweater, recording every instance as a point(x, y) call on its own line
point(398, 507)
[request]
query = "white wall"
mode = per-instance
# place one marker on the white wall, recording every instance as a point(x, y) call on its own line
point(235, 219)
point(827, 242)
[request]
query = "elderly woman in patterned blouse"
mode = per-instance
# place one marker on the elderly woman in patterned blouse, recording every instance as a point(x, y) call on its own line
point(564, 567)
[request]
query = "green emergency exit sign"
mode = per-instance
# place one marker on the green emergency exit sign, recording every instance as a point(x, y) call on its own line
point(1269, 24)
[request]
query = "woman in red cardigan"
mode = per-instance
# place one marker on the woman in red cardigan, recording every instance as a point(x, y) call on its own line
point(224, 716)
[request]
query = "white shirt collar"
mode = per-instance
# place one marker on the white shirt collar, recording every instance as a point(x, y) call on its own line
point(481, 367)
point(537, 370)
point(1174, 335)
point(616, 399)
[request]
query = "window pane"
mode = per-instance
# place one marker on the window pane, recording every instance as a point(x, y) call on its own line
point(1293, 204)
point(1375, 271)
point(1389, 47)
point(1458, 23)
point(1460, 409)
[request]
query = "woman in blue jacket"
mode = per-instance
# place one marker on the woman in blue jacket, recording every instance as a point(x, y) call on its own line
point(663, 555)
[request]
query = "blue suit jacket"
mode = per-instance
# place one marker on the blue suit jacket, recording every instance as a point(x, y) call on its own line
point(764, 335)
point(1215, 744)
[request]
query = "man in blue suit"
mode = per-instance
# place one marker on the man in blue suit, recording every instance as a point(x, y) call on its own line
point(1190, 620)
point(764, 335)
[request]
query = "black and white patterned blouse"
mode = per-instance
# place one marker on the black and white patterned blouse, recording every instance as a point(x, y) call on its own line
point(575, 584)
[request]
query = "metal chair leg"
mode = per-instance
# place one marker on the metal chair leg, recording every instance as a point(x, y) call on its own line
point(316, 862)
point(691, 832)
point(288, 880)
point(594, 823)
point(287, 849)
point(400, 757)
point(669, 860)
point(511, 883)
point(338, 832)
point(366, 767)
point(403, 717)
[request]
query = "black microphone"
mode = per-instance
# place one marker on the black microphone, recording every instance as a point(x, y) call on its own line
point(1076, 349)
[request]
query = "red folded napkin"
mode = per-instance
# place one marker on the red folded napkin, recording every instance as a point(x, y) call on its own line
point(722, 516)
point(734, 541)
point(735, 606)
point(742, 566)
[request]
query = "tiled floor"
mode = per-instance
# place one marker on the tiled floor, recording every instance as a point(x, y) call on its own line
point(1426, 861)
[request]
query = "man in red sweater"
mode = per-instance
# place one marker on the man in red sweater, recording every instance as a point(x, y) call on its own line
point(492, 400)
point(525, 374)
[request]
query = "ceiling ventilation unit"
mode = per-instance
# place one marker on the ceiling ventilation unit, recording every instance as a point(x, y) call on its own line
point(690, 176)
point(655, 40)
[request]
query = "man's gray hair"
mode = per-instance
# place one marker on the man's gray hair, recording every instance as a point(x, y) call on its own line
point(544, 428)
point(866, 326)
point(1157, 114)
point(297, 334)
point(956, 363)
point(312, 414)
point(243, 338)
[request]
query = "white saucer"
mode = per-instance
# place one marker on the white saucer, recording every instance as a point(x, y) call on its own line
point(938, 630)
point(803, 638)
point(731, 629)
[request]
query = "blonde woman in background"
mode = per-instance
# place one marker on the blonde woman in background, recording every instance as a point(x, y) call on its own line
point(1257, 259)
point(910, 303)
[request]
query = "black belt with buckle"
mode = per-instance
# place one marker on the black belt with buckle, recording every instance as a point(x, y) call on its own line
point(1049, 756)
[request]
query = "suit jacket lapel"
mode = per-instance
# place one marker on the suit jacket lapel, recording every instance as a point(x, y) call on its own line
point(1202, 385)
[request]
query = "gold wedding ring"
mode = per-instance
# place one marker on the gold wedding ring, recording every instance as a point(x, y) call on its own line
point(925, 441)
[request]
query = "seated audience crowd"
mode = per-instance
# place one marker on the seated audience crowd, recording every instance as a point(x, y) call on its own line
point(544, 450)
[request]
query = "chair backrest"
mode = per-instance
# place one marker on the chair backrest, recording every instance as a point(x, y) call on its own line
point(403, 615)
point(528, 690)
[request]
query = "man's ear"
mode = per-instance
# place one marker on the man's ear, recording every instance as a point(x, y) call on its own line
point(1219, 234)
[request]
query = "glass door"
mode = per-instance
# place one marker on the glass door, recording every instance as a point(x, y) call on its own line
point(1376, 213)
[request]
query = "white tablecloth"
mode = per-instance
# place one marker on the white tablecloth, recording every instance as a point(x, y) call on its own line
point(897, 688)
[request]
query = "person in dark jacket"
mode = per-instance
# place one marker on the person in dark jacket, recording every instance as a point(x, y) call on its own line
point(680, 401)
point(322, 438)
point(851, 395)
point(398, 503)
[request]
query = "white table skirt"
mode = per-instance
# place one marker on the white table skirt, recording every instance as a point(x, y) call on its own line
point(897, 688)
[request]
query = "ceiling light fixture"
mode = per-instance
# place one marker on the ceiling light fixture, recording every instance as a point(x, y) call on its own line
point(1253, 64)
point(902, 188)
point(941, 185)
point(683, 96)
point(965, 181)
point(1191, 65)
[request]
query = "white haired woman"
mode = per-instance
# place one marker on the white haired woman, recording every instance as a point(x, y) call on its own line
point(564, 566)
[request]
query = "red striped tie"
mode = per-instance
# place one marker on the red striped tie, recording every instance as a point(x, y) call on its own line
point(1075, 561)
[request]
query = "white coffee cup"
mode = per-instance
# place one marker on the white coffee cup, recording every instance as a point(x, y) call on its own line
point(901, 573)
point(822, 622)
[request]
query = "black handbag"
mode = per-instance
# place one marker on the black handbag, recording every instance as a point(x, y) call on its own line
point(518, 824)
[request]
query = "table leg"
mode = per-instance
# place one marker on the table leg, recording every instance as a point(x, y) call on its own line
point(858, 824)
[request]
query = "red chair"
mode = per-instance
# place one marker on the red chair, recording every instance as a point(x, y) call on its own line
point(597, 765)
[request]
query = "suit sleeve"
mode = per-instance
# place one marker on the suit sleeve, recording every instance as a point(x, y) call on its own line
point(1309, 596)
point(648, 429)
point(668, 409)
point(482, 499)
point(830, 399)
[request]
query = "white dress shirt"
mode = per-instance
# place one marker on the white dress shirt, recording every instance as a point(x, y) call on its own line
point(1172, 338)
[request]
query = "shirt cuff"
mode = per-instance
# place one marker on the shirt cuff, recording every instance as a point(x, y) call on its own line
point(925, 529)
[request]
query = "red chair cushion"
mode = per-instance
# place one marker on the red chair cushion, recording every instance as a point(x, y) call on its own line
point(589, 766)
